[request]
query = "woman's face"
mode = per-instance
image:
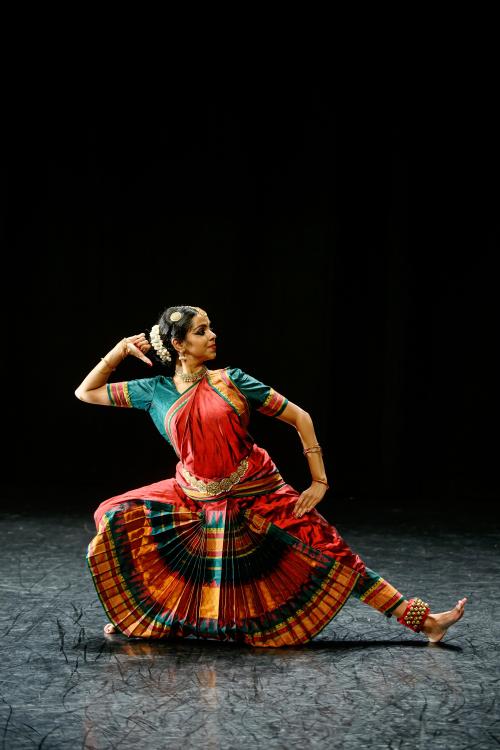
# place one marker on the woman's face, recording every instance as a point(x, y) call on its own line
point(199, 344)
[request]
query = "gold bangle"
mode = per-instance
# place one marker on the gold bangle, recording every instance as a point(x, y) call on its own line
point(125, 343)
point(313, 449)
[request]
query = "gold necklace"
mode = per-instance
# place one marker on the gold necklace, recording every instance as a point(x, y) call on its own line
point(192, 378)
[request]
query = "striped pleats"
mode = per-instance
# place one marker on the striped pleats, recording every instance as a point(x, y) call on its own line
point(162, 571)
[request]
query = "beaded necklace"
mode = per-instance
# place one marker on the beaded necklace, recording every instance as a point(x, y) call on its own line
point(192, 378)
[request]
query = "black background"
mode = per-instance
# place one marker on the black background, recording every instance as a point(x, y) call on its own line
point(343, 245)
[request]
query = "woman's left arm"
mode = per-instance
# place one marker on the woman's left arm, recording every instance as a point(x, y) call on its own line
point(301, 420)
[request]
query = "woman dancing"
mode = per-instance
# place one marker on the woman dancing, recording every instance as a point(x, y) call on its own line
point(226, 549)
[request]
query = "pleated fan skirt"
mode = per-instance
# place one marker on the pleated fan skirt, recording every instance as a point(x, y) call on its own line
point(220, 570)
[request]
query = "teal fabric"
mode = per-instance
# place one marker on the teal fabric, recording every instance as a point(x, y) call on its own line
point(253, 390)
point(142, 392)
point(156, 395)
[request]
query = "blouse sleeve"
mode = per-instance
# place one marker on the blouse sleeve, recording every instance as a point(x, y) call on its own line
point(262, 397)
point(132, 394)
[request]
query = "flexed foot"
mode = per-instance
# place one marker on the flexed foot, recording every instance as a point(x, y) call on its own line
point(109, 629)
point(436, 625)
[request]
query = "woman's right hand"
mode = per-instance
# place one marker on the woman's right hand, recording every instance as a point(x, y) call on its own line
point(93, 388)
point(137, 345)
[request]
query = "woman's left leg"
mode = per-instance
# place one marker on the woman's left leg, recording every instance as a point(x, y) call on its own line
point(414, 613)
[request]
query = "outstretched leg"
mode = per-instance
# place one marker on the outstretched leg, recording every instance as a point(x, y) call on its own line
point(415, 614)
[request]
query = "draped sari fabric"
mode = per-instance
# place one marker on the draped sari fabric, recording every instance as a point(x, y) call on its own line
point(215, 551)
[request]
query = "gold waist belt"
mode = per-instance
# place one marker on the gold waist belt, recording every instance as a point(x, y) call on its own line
point(219, 486)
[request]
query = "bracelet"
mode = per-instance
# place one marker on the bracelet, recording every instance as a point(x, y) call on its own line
point(313, 449)
point(322, 481)
point(124, 354)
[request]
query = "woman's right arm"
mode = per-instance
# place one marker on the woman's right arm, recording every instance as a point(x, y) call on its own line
point(93, 388)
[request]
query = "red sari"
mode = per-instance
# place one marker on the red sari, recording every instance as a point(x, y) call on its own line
point(215, 551)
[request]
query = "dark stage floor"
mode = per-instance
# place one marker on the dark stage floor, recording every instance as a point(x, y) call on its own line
point(366, 681)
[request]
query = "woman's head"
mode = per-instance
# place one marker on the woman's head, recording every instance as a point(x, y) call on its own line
point(183, 331)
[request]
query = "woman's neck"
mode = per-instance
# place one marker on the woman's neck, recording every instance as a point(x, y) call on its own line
point(188, 368)
point(186, 371)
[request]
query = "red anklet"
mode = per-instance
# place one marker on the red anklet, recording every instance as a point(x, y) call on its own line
point(415, 614)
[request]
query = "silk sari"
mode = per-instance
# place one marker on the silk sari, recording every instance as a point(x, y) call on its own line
point(214, 551)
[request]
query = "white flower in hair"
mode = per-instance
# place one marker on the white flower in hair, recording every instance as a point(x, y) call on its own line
point(157, 344)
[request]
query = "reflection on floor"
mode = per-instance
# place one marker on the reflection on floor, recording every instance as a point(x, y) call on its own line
point(365, 682)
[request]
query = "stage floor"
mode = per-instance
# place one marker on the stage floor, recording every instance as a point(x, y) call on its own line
point(366, 682)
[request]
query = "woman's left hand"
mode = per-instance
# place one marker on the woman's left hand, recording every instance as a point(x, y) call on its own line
point(309, 499)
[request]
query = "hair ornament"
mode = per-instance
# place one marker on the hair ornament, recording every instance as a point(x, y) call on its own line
point(175, 316)
point(157, 344)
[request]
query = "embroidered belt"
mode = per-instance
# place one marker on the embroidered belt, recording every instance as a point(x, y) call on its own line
point(219, 486)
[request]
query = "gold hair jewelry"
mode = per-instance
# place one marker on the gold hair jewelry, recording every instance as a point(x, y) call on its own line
point(191, 378)
point(199, 310)
point(157, 344)
point(177, 315)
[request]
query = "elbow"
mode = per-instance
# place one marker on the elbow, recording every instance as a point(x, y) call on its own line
point(79, 394)
point(304, 419)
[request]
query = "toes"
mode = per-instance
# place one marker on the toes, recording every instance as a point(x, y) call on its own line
point(459, 608)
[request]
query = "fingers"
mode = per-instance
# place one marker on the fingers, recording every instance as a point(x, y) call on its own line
point(297, 508)
point(139, 339)
point(305, 504)
point(141, 356)
point(138, 347)
point(308, 500)
point(301, 510)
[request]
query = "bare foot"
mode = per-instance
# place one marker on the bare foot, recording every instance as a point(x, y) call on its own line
point(436, 625)
point(109, 628)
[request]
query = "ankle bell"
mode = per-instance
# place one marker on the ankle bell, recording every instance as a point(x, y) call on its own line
point(415, 614)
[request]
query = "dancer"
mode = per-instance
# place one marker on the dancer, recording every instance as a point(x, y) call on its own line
point(226, 549)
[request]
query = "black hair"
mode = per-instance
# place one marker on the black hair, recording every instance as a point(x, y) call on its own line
point(177, 329)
